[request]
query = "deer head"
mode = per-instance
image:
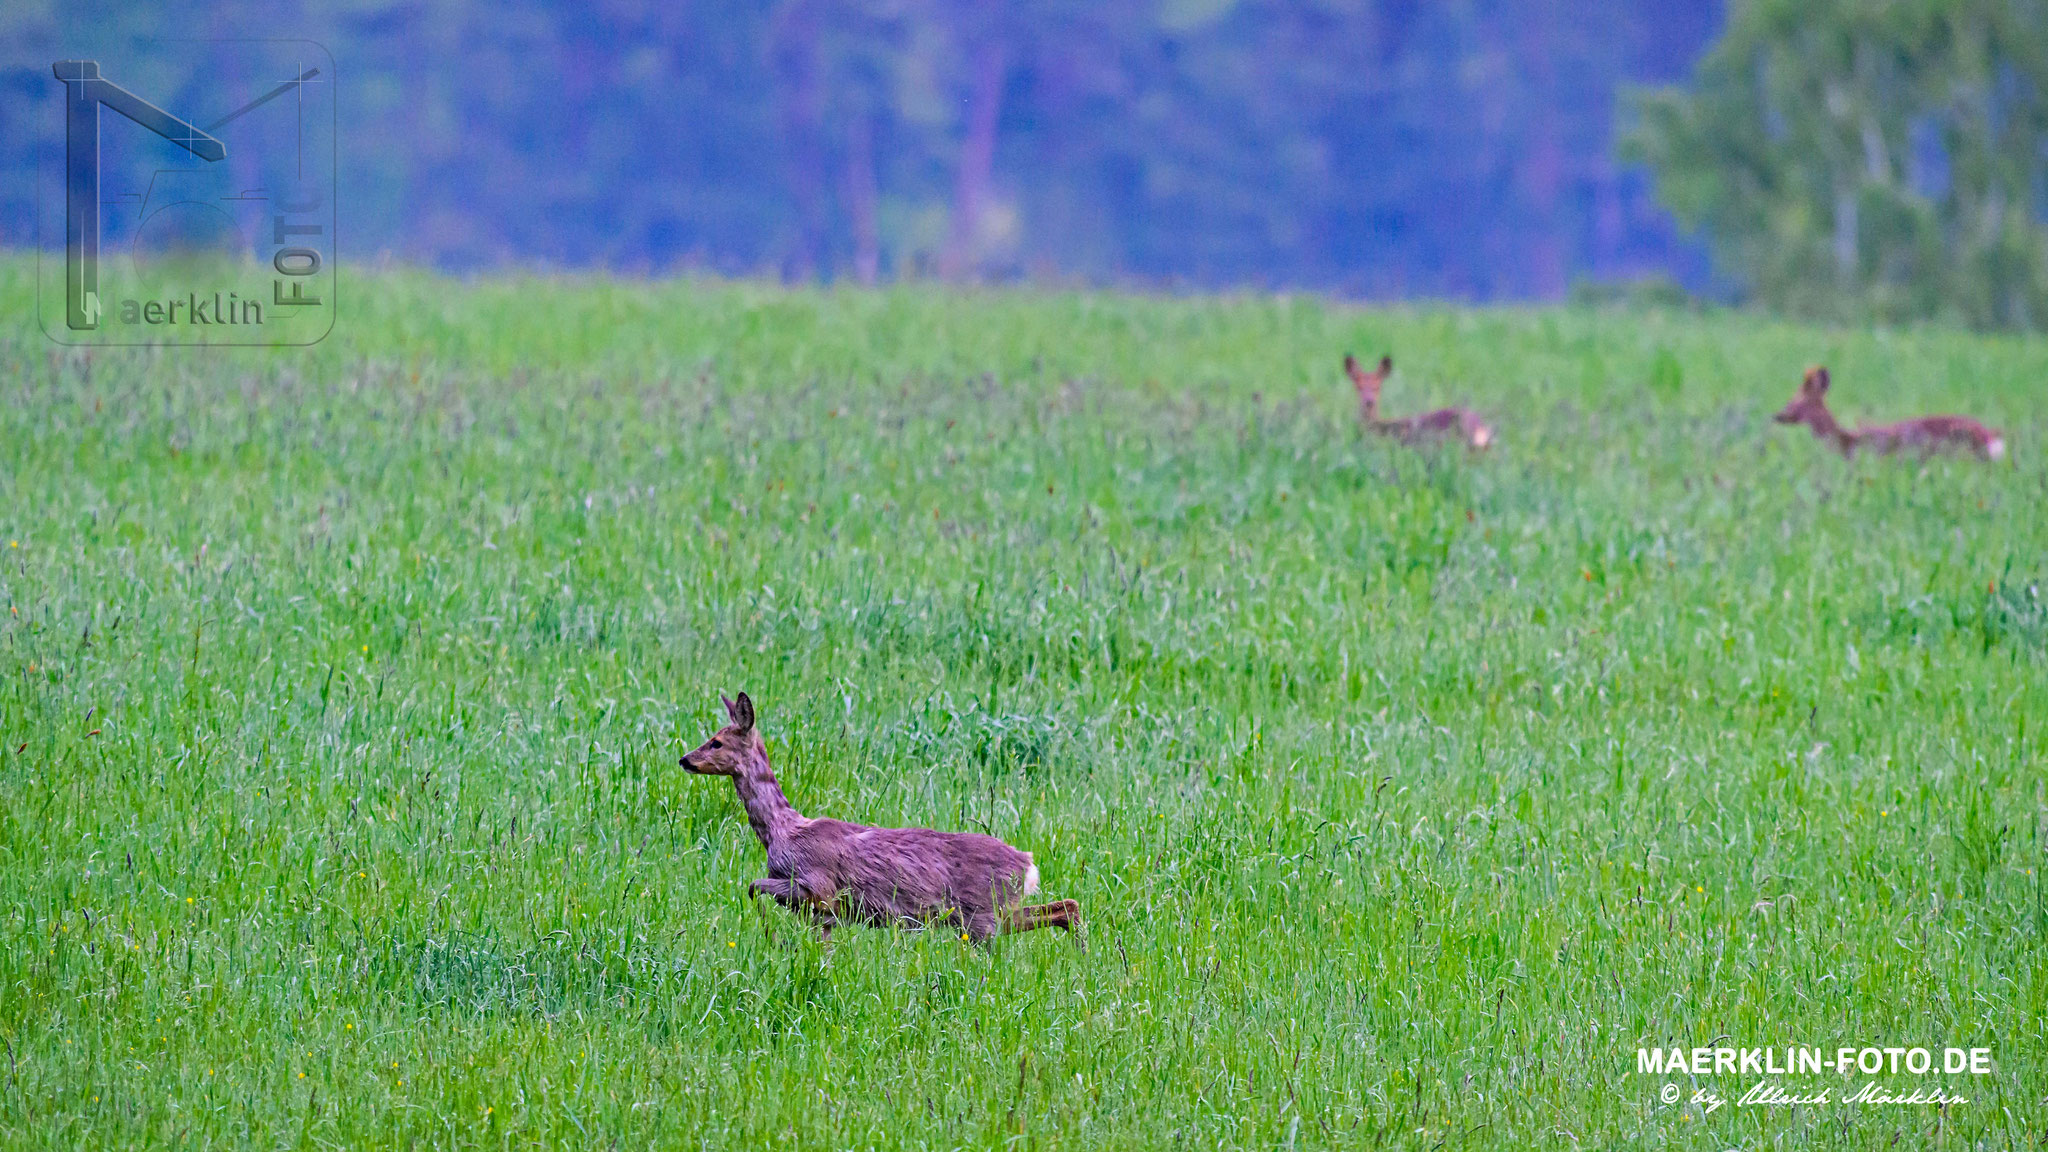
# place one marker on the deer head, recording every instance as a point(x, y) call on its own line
point(1368, 383)
point(730, 748)
point(1810, 402)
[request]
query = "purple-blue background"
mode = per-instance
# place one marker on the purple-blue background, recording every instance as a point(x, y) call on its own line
point(1382, 148)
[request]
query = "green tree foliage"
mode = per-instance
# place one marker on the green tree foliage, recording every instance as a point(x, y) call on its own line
point(1882, 159)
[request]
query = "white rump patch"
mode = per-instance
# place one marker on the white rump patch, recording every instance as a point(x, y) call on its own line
point(1482, 437)
point(1995, 449)
point(1030, 879)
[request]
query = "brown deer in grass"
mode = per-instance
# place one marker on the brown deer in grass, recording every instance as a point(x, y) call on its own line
point(1461, 423)
point(907, 877)
point(1928, 434)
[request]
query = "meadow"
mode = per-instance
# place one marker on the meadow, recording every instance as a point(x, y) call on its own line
point(1406, 792)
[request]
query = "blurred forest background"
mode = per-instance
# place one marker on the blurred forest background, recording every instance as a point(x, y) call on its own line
point(1882, 159)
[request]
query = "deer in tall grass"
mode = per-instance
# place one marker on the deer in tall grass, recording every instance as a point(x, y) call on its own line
point(1928, 434)
point(1459, 423)
point(905, 877)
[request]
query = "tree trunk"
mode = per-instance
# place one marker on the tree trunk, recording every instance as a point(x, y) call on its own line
point(977, 158)
point(1846, 257)
point(793, 50)
point(1542, 161)
point(862, 196)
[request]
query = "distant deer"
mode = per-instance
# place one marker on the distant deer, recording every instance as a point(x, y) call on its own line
point(907, 877)
point(1928, 434)
point(1462, 423)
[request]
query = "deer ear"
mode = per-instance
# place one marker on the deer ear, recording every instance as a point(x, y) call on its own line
point(731, 709)
point(1820, 381)
point(742, 711)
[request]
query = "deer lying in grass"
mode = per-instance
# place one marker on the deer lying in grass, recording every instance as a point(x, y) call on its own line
point(1928, 434)
point(908, 877)
point(1462, 423)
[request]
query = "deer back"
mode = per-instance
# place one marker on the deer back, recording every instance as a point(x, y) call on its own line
point(909, 874)
point(1933, 433)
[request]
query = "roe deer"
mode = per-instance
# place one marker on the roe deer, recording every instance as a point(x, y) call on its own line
point(1462, 423)
point(908, 877)
point(1929, 434)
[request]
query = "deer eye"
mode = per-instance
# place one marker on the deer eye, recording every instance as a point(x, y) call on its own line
point(714, 744)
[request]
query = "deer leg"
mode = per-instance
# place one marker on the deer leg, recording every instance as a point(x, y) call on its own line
point(981, 927)
point(787, 891)
point(1066, 915)
point(1058, 914)
point(825, 922)
point(793, 892)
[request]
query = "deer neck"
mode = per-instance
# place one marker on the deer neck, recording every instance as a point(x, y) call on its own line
point(768, 810)
point(1829, 429)
point(1826, 427)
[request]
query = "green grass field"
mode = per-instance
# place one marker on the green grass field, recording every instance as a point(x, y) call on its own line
point(1407, 792)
